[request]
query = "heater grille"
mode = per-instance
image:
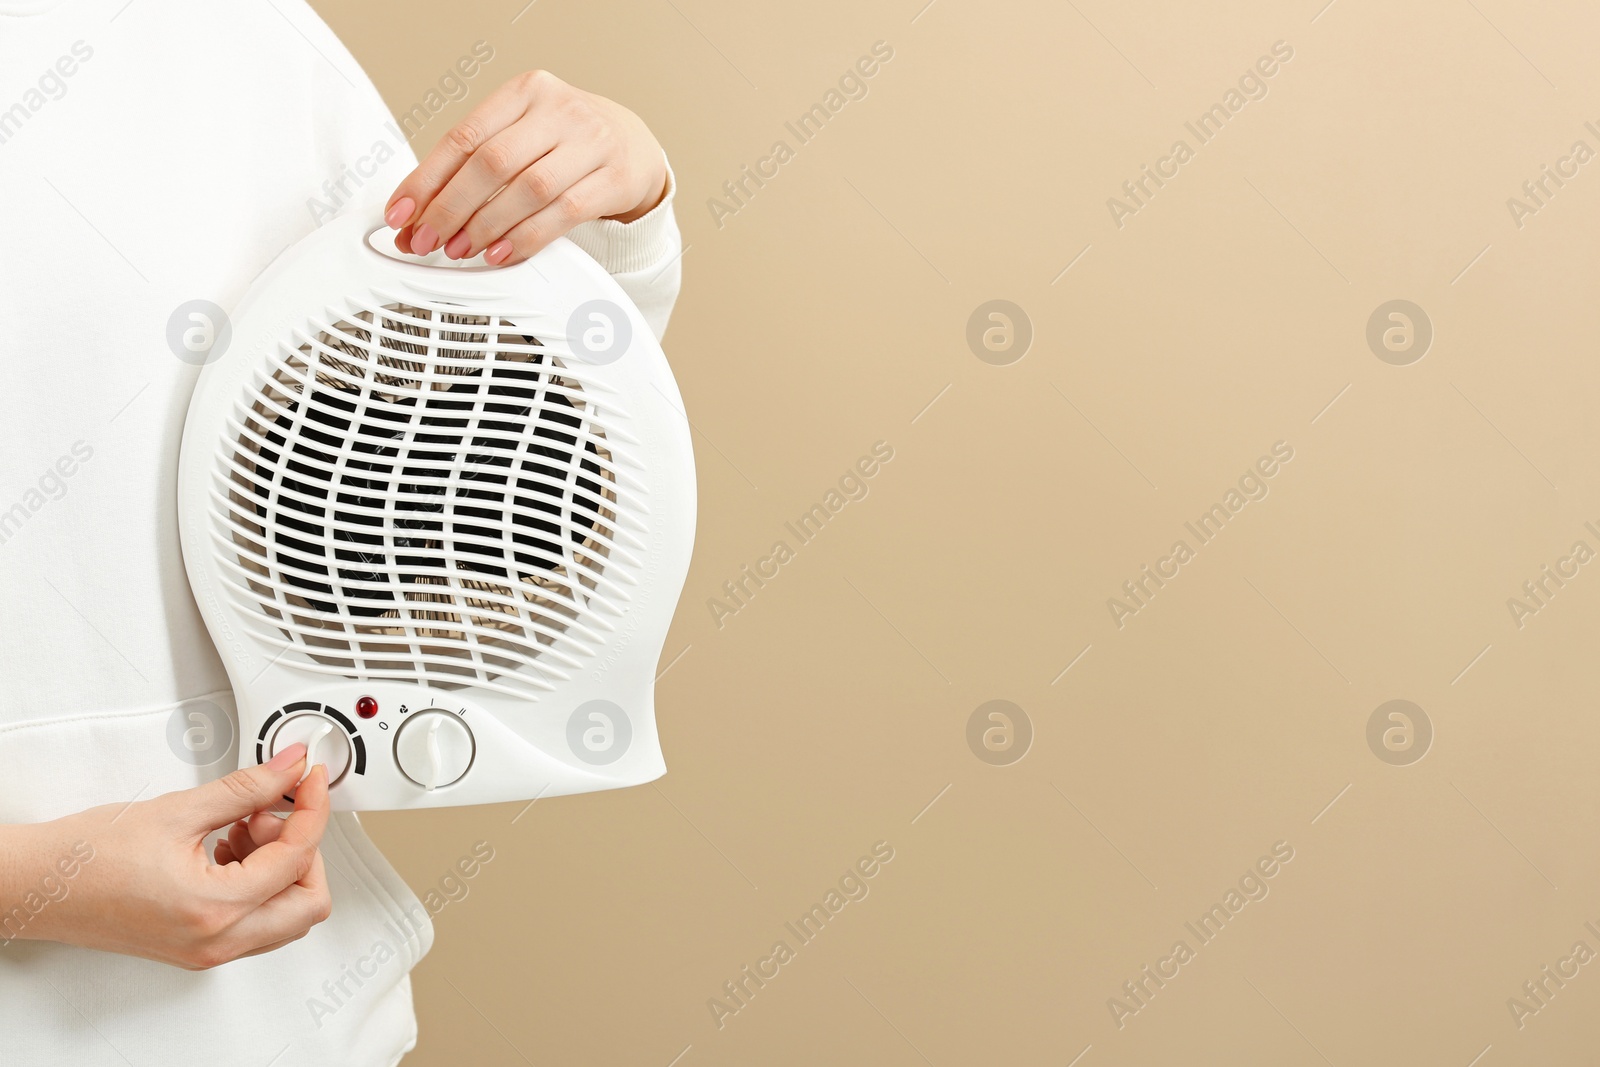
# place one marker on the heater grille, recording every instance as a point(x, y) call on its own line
point(425, 493)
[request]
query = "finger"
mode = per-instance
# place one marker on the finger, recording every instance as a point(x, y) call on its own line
point(528, 193)
point(223, 853)
point(499, 110)
point(263, 827)
point(246, 835)
point(276, 865)
point(287, 916)
point(495, 166)
point(264, 949)
point(529, 236)
point(239, 842)
point(402, 238)
point(241, 793)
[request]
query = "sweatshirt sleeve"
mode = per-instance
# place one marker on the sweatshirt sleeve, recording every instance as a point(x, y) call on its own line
point(642, 255)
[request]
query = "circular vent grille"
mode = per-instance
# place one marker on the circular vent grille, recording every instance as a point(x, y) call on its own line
point(424, 494)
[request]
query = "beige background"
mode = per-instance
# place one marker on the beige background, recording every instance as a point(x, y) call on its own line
point(1227, 715)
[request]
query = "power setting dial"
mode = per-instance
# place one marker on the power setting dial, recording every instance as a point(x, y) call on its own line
point(325, 741)
point(433, 748)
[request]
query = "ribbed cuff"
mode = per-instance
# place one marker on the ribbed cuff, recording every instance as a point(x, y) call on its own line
point(626, 247)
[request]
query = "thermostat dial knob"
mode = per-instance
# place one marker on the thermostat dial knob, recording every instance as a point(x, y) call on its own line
point(433, 748)
point(325, 741)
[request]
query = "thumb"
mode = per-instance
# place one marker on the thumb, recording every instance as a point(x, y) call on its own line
point(245, 791)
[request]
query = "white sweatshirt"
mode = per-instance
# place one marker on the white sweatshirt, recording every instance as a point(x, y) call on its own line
point(153, 153)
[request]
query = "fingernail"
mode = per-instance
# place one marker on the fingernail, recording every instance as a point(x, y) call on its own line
point(424, 239)
point(457, 246)
point(400, 212)
point(287, 758)
point(498, 251)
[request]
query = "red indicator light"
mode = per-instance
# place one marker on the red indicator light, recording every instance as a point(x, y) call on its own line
point(366, 707)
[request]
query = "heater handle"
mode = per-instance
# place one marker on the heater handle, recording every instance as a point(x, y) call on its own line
point(435, 260)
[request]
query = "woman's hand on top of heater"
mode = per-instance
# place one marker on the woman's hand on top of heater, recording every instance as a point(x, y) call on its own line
point(556, 155)
point(142, 884)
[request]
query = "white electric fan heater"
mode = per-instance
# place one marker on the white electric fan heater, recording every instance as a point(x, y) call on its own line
point(437, 518)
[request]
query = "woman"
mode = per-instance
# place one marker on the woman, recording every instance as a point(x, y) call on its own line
point(154, 153)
